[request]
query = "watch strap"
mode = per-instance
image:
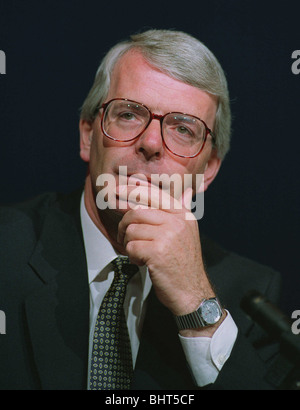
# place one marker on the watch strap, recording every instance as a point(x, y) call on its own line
point(194, 319)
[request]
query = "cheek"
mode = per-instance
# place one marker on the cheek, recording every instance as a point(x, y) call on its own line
point(105, 157)
point(193, 166)
point(98, 159)
point(196, 170)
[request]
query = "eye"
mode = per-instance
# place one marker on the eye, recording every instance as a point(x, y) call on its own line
point(127, 116)
point(181, 129)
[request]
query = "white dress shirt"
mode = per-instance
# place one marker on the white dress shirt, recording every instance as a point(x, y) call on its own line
point(205, 355)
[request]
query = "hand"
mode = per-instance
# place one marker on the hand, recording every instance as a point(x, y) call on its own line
point(168, 243)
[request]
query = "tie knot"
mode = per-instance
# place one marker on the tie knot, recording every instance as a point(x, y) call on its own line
point(124, 270)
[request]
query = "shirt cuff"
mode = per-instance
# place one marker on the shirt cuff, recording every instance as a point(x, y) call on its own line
point(206, 356)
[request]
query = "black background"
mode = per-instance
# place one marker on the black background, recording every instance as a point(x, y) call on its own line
point(53, 49)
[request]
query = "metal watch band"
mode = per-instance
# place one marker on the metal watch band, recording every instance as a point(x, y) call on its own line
point(189, 321)
point(194, 320)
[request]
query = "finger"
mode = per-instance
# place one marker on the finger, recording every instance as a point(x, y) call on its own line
point(143, 203)
point(148, 196)
point(139, 232)
point(147, 217)
point(136, 250)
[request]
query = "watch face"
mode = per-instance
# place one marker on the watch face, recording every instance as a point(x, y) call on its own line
point(210, 312)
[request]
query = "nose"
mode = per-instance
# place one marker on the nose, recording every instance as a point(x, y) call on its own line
point(150, 143)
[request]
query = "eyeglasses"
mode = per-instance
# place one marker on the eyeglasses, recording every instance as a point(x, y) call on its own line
point(124, 120)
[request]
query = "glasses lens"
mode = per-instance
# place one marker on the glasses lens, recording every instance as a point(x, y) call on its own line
point(183, 134)
point(125, 120)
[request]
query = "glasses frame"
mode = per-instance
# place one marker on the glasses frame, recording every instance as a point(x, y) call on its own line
point(159, 117)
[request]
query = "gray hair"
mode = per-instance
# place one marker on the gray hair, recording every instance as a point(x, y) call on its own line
point(178, 55)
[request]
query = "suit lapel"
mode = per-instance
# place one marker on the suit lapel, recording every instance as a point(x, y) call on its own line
point(57, 310)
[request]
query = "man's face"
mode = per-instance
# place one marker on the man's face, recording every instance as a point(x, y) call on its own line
point(133, 78)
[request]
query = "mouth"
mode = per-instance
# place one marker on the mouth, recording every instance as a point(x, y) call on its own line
point(138, 178)
point(174, 184)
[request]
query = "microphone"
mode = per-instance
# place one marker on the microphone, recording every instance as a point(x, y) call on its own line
point(265, 314)
point(285, 372)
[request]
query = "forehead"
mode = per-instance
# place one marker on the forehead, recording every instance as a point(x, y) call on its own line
point(134, 78)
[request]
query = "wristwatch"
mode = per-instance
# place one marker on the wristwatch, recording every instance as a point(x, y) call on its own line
point(207, 314)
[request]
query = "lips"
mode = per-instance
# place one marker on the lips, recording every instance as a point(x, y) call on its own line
point(136, 176)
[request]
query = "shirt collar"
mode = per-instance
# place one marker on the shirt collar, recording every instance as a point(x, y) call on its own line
point(100, 252)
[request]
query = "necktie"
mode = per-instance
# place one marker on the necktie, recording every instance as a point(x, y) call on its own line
point(111, 367)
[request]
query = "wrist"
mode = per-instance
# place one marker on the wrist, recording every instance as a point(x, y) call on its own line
point(207, 331)
point(204, 319)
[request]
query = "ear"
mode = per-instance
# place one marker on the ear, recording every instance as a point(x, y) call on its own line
point(211, 169)
point(86, 134)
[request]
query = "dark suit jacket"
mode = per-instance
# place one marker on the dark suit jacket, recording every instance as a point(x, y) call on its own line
point(44, 293)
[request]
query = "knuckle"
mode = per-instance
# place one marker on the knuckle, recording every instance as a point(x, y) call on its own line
point(130, 230)
point(160, 248)
point(131, 249)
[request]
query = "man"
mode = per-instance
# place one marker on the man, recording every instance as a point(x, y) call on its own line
point(159, 105)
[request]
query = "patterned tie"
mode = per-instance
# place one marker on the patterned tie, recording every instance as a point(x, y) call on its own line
point(111, 367)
